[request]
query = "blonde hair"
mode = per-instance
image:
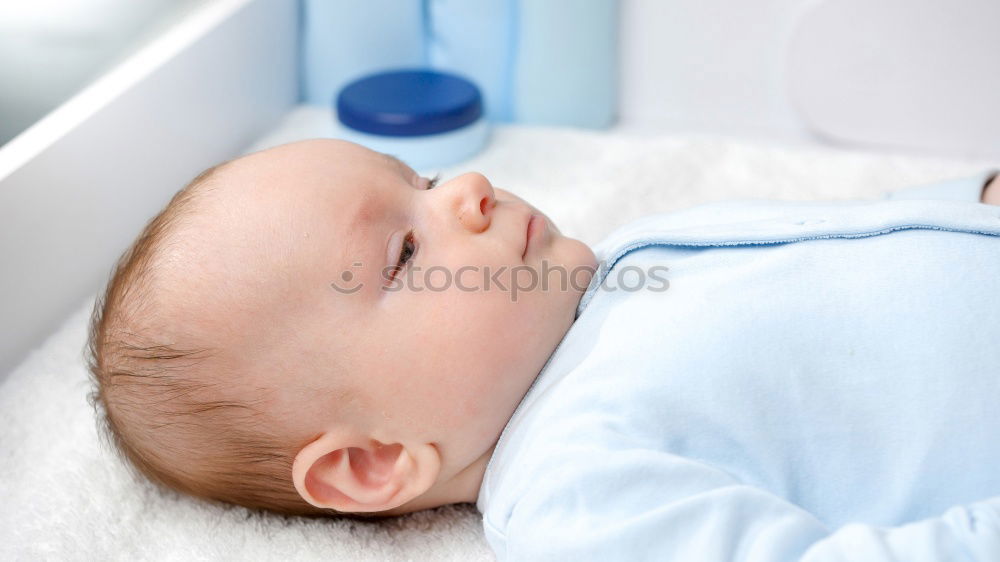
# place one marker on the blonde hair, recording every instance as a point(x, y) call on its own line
point(164, 421)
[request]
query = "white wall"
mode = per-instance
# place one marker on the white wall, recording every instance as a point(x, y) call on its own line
point(708, 65)
point(915, 76)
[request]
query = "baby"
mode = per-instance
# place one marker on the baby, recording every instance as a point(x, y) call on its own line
point(314, 329)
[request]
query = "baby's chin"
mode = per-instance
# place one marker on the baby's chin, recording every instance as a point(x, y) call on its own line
point(589, 259)
point(580, 265)
point(581, 256)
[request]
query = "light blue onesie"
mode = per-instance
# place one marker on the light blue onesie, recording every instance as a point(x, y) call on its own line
point(817, 381)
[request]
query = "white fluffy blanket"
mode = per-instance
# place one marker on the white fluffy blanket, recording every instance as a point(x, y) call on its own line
point(65, 497)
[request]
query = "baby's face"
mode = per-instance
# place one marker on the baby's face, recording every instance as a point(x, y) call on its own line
point(351, 267)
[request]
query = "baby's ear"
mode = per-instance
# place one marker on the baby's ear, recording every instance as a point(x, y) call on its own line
point(346, 473)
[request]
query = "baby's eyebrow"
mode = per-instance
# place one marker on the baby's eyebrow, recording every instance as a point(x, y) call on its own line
point(358, 237)
point(367, 209)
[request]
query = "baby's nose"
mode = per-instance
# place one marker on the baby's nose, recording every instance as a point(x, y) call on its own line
point(475, 201)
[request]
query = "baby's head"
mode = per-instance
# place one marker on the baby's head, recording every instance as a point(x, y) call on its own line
point(311, 330)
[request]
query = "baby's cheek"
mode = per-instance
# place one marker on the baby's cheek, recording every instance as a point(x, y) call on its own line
point(484, 410)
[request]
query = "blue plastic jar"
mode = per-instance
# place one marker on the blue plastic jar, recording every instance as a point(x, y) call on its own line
point(426, 118)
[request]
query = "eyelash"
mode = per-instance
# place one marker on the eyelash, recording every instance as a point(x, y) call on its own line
point(405, 254)
point(433, 182)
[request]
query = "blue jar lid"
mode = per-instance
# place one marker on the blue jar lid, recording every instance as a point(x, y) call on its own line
point(406, 103)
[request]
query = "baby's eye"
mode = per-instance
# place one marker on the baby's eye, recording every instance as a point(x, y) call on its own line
point(433, 182)
point(405, 253)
